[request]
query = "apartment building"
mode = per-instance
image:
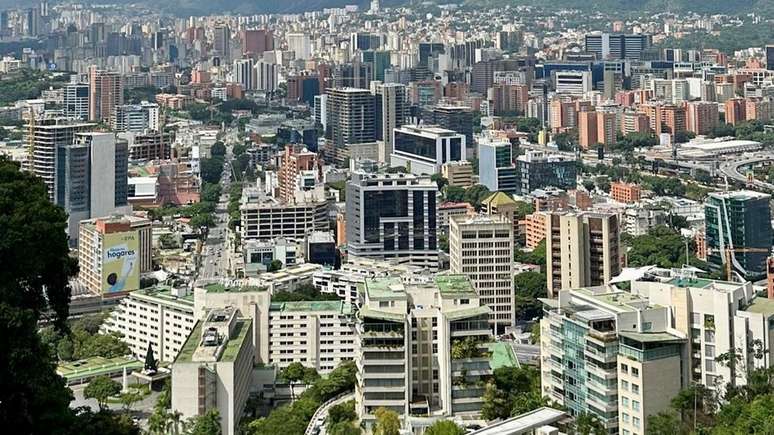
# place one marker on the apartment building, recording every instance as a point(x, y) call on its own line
point(346, 281)
point(625, 192)
point(481, 248)
point(582, 249)
point(160, 317)
point(448, 209)
point(423, 348)
point(612, 355)
point(213, 369)
point(458, 173)
point(299, 170)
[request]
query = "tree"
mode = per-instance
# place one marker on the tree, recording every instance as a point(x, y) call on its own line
point(344, 428)
point(663, 423)
point(529, 287)
point(496, 404)
point(294, 372)
point(343, 412)
point(475, 194)
point(100, 388)
point(588, 424)
point(566, 141)
point(387, 422)
point(723, 130)
point(205, 424)
point(218, 149)
point(129, 398)
point(274, 266)
point(661, 246)
point(444, 427)
point(439, 180)
point(684, 136)
point(34, 278)
point(211, 169)
point(454, 193)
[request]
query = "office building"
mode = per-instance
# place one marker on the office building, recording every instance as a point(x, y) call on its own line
point(392, 216)
point(411, 339)
point(112, 253)
point(45, 136)
point(106, 92)
point(770, 57)
point(320, 248)
point(481, 248)
point(299, 44)
point(392, 110)
point(160, 317)
point(148, 145)
point(351, 120)
point(266, 76)
point(91, 178)
point(612, 355)
point(136, 118)
point(537, 170)
point(582, 249)
point(221, 41)
point(738, 229)
point(256, 41)
point(572, 82)
point(457, 118)
point(509, 99)
point(458, 173)
point(76, 101)
point(264, 217)
point(423, 149)
point(321, 112)
point(496, 168)
point(244, 73)
point(617, 46)
point(213, 369)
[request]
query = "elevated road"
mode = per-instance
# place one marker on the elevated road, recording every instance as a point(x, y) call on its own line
point(734, 169)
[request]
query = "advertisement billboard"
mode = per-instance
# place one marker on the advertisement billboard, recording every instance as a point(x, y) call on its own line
point(120, 262)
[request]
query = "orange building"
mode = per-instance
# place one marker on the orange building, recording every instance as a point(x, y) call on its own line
point(701, 117)
point(296, 160)
point(627, 193)
point(701, 245)
point(758, 109)
point(736, 111)
point(634, 122)
point(534, 229)
point(587, 129)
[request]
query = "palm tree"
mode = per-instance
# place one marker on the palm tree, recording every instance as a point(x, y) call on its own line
point(173, 423)
point(158, 422)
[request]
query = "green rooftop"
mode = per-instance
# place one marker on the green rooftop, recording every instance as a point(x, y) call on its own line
point(390, 287)
point(366, 312)
point(96, 366)
point(338, 306)
point(165, 293)
point(232, 346)
point(468, 312)
point(502, 356)
point(220, 288)
point(454, 285)
point(191, 343)
point(761, 305)
point(691, 282)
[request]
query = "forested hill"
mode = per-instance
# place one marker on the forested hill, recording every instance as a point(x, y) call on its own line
point(198, 7)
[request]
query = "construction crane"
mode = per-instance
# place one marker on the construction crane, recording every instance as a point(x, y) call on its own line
point(730, 257)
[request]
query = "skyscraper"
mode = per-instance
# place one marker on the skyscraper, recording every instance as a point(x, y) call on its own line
point(76, 101)
point(105, 93)
point(256, 41)
point(392, 108)
point(538, 170)
point(736, 222)
point(481, 248)
point(299, 44)
point(770, 57)
point(244, 73)
point(457, 118)
point(266, 75)
point(221, 41)
point(351, 120)
point(392, 216)
point(617, 45)
point(582, 249)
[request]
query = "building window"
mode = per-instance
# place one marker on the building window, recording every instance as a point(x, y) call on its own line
point(635, 372)
point(709, 351)
point(709, 336)
point(709, 365)
point(635, 389)
point(695, 318)
point(624, 368)
point(625, 402)
point(636, 422)
point(635, 405)
point(625, 385)
point(625, 417)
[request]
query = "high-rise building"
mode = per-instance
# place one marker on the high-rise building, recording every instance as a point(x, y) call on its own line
point(457, 118)
point(351, 120)
point(299, 170)
point(91, 177)
point(617, 46)
point(582, 249)
point(148, 145)
point(770, 57)
point(738, 229)
point(701, 117)
point(221, 41)
point(266, 76)
point(213, 369)
point(537, 170)
point(32, 22)
point(572, 82)
point(391, 104)
point(735, 111)
point(411, 348)
point(459, 173)
point(244, 73)
point(136, 118)
point(105, 93)
point(613, 355)
point(626, 193)
point(76, 101)
point(256, 41)
point(587, 130)
point(424, 149)
point(265, 218)
point(112, 253)
point(320, 111)
point(44, 137)
point(299, 44)
point(481, 248)
point(392, 216)
point(496, 168)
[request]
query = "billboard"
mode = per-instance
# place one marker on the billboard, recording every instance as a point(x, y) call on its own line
point(120, 262)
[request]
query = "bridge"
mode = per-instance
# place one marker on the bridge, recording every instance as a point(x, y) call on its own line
point(733, 169)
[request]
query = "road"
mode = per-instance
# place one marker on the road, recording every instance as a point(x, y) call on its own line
point(214, 261)
point(731, 169)
point(317, 424)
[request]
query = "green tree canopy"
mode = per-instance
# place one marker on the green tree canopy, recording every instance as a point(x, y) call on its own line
point(100, 388)
point(387, 422)
point(444, 427)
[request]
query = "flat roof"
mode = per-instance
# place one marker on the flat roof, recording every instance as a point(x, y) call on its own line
point(761, 305)
point(652, 337)
point(502, 356)
point(468, 312)
point(384, 315)
point(388, 287)
point(95, 366)
point(164, 293)
point(229, 353)
point(451, 285)
point(220, 288)
point(523, 423)
point(338, 306)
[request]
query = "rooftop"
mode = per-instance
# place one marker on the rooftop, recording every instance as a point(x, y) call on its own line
point(95, 366)
point(389, 287)
point(498, 198)
point(221, 288)
point(652, 337)
point(454, 285)
point(338, 306)
point(165, 293)
point(761, 305)
point(468, 312)
point(383, 315)
point(502, 356)
point(230, 351)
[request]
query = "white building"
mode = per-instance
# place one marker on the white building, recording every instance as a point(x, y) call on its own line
point(424, 149)
point(299, 44)
point(572, 82)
